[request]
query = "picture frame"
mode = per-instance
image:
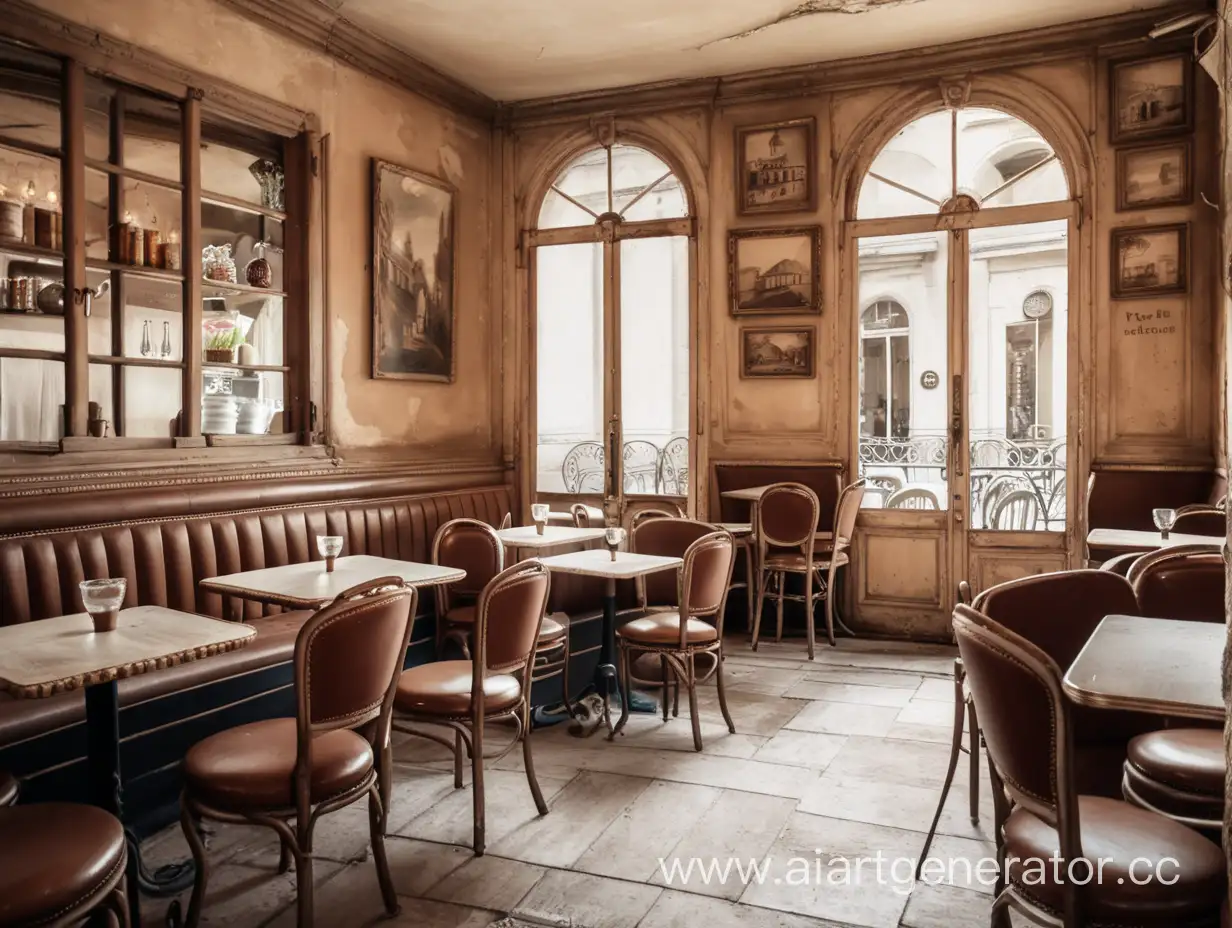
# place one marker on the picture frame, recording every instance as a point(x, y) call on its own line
point(778, 352)
point(774, 271)
point(1151, 97)
point(776, 167)
point(413, 275)
point(1155, 175)
point(1150, 261)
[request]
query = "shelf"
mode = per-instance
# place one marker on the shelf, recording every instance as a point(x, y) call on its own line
point(216, 368)
point(29, 148)
point(153, 180)
point(138, 361)
point(221, 199)
point(31, 354)
point(230, 289)
point(157, 273)
point(23, 250)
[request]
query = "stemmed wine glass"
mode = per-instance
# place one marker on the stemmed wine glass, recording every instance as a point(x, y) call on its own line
point(539, 515)
point(1164, 520)
point(329, 547)
point(614, 535)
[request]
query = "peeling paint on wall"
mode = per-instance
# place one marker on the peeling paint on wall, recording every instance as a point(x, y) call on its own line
point(346, 430)
point(451, 164)
point(813, 8)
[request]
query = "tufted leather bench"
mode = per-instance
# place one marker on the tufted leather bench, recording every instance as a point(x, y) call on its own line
point(164, 555)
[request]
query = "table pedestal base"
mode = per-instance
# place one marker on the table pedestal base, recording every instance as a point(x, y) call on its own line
point(606, 682)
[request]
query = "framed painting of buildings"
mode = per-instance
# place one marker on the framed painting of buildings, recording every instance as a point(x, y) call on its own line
point(412, 275)
point(776, 167)
point(1151, 97)
point(774, 271)
point(777, 351)
point(1150, 261)
point(1153, 175)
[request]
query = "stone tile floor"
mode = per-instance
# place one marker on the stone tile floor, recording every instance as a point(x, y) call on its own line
point(842, 757)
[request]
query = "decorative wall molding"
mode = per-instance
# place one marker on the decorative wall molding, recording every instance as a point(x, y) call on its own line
point(939, 61)
point(321, 27)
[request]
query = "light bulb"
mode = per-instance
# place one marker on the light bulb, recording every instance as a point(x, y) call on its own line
point(128, 217)
point(30, 191)
point(52, 196)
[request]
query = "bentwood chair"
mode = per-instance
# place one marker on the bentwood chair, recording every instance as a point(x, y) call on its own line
point(507, 521)
point(286, 773)
point(679, 637)
point(473, 546)
point(1183, 582)
point(1028, 728)
point(1121, 563)
point(493, 685)
point(8, 788)
point(1201, 519)
point(913, 498)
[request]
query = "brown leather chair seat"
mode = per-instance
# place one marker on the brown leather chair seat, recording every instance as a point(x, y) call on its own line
point(53, 857)
point(1121, 834)
point(253, 766)
point(444, 688)
point(8, 789)
point(664, 628)
point(1180, 773)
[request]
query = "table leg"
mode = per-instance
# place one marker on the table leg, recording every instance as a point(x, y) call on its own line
point(107, 792)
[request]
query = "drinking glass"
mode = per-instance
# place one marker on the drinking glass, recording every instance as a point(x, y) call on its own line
point(539, 514)
point(102, 600)
point(614, 535)
point(329, 547)
point(1164, 520)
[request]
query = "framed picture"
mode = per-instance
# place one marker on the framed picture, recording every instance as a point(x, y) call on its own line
point(1150, 261)
point(777, 351)
point(1155, 175)
point(1151, 97)
point(776, 167)
point(774, 270)
point(412, 275)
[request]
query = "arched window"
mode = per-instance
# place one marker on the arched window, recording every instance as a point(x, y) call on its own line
point(611, 257)
point(885, 371)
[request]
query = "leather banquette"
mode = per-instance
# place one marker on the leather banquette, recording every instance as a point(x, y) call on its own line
point(1124, 497)
point(164, 543)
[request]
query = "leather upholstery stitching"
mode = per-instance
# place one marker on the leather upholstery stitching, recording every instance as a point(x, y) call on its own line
point(53, 916)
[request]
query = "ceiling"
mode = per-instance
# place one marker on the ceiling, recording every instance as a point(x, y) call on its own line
point(522, 49)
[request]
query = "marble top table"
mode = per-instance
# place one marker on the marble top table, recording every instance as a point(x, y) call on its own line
point(1124, 539)
point(51, 656)
point(1161, 666)
point(554, 536)
point(309, 585)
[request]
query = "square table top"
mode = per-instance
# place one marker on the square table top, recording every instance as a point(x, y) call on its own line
point(1125, 539)
point(599, 563)
point(554, 536)
point(1161, 666)
point(308, 585)
point(752, 494)
point(50, 656)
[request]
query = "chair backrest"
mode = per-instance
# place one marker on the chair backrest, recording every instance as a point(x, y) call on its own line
point(1057, 612)
point(1122, 563)
point(1184, 582)
point(668, 538)
point(1016, 511)
point(645, 515)
point(994, 491)
point(585, 516)
point(348, 657)
point(1023, 717)
point(849, 502)
point(582, 469)
point(913, 498)
point(1201, 520)
point(674, 467)
point(640, 460)
point(964, 592)
point(469, 545)
point(704, 579)
point(787, 516)
point(507, 620)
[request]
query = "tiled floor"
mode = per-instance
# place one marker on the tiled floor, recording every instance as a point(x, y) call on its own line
point(834, 760)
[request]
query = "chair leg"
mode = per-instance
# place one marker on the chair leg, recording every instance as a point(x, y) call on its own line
point(385, 778)
point(718, 682)
point(284, 856)
point(810, 631)
point(960, 707)
point(676, 698)
point(667, 683)
point(830, 604)
point(1001, 911)
point(973, 751)
point(197, 847)
point(761, 597)
point(477, 783)
point(748, 581)
point(303, 889)
point(528, 761)
point(778, 628)
point(697, 722)
point(457, 760)
point(376, 825)
point(564, 674)
point(117, 905)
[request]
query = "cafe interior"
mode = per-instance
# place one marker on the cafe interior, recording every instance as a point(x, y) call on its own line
point(516, 463)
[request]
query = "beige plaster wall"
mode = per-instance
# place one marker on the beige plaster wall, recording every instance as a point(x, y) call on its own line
point(364, 118)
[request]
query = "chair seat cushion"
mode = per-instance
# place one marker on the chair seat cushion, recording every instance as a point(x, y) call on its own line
point(253, 766)
point(54, 857)
point(1188, 759)
point(661, 628)
point(8, 789)
point(796, 561)
point(444, 688)
point(1120, 835)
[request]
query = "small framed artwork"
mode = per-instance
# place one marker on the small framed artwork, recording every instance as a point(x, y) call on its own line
point(412, 275)
point(777, 351)
point(1151, 97)
point(1148, 176)
point(776, 167)
point(1150, 261)
point(774, 270)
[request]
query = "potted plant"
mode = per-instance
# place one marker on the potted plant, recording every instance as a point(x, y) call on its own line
point(220, 345)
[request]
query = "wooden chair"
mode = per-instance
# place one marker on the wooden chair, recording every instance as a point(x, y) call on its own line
point(1121, 563)
point(585, 516)
point(286, 773)
point(1182, 582)
point(473, 546)
point(913, 498)
point(61, 864)
point(679, 637)
point(1016, 511)
point(1028, 728)
point(645, 515)
point(492, 686)
point(1199, 519)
